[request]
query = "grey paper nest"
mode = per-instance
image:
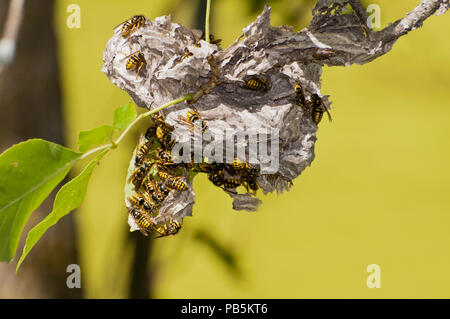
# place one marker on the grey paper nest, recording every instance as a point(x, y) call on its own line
point(279, 54)
point(228, 106)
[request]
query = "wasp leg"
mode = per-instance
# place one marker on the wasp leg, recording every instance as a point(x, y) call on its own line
point(182, 119)
point(139, 69)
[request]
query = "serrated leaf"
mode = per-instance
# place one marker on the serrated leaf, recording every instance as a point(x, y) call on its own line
point(123, 116)
point(97, 136)
point(69, 197)
point(29, 171)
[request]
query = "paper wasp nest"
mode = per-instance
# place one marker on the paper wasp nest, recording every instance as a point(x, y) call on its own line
point(177, 64)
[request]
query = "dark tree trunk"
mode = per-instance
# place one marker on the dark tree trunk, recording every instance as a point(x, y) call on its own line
point(200, 15)
point(140, 287)
point(142, 270)
point(30, 104)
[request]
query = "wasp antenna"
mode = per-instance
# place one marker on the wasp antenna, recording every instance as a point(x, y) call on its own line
point(130, 55)
point(139, 69)
point(182, 119)
point(122, 22)
point(328, 113)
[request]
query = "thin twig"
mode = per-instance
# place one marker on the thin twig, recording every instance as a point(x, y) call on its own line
point(211, 84)
point(95, 150)
point(412, 20)
point(344, 38)
point(147, 114)
point(115, 143)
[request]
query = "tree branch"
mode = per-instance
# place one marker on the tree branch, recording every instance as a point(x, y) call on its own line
point(338, 38)
point(413, 19)
point(343, 33)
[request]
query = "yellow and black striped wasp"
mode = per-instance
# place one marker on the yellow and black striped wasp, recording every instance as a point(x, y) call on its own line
point(142, 149)
point(216, 178)
point(194, 120)
point(162, 189)
point(238, 166)
point(200, 166)
point(143, 220)
point(163, 134)
point(257, 83)
point(186, 54)
point(172, 181)
point(300, 97)
point(135, 61)
point(250, 181)
point(163, 157)
point(318, 108)
point(231, 183)
point(208, 168)
point(138, 175)
point(158, 118)
point(171, 227)
point(212, 39)
point(191, 163)
point(131, 24)
point(176, 183)
point(142, 201)
point(219, 180)
point(163, 131)
point(252, 184)
point(157, 193)
point(150, 133)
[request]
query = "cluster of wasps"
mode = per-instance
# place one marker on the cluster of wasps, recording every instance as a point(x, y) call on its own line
point(231, 176)
point(227, 176)
point(156, 174)
point(223, 175)
point(154, 177)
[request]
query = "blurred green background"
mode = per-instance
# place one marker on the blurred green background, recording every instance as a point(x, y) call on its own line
point(377, 192)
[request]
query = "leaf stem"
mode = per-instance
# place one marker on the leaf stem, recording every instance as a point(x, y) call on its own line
point(208, 11)
point(115, 143)
point(95, 150)
point(151, 112)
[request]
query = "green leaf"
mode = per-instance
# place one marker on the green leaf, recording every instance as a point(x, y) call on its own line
point(94, 137)
point(69, 197)
point(29, 171)
point(124, 116)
